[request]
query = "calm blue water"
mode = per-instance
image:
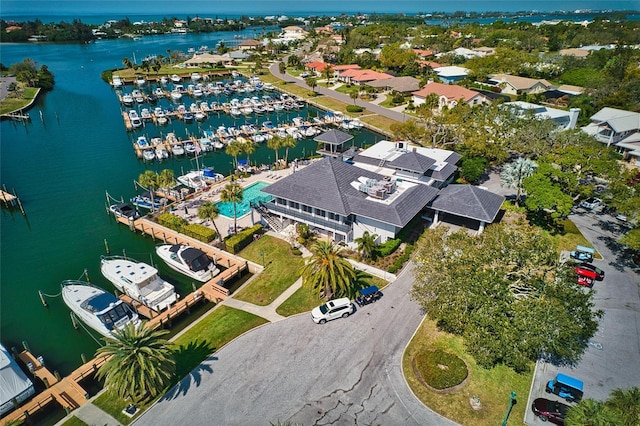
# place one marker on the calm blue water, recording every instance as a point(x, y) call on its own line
point(250, 193)
point(61, 165)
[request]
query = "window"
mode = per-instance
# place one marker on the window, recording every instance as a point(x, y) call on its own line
point(307, 209)
point(320, 212)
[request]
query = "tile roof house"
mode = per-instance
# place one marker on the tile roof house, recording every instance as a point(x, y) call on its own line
point(516, 85)
point(449, 95)
point(405, 84)
point(359, 76)
point(316, 66)
point(619, 128)
point(250, 44)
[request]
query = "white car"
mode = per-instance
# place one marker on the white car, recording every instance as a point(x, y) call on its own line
point(337, 308)
point(304, 75)
point(591, 203)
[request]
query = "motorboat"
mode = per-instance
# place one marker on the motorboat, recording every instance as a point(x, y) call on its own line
point(139, 281)
point(16, 386)
point(175, 95)
point(205, 144)
point(161, 152)
point(140, 81)
point(161, 118)
point(158, 92)
point(189, 261)
point(116, 81)
point(143, 201)
point(190, 147)
point(145, 114)
point(97, 308)
point(164, 80)
point(208, 174)
point(199, 116)
point(135, 119)
point(127, 99)
point(142, 142)
point(193, 180)
point(149, 154)
point(124, 210)
point(175, 78)
point(177, 149)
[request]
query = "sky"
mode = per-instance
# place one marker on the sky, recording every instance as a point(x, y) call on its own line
point(299, 7)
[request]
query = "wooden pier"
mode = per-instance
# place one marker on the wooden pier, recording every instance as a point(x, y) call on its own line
point(11, 200)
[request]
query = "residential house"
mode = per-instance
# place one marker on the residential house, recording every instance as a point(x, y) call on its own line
point(449, 95)
point(451, 74)
point(294, 32)
point(359, 76)
point(515, 85)
point(564, 119)
point(250, 44)
point(399, 84)
point(317, 67)
point(618, 128)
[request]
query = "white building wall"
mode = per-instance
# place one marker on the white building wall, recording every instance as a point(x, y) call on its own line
point(384, 231)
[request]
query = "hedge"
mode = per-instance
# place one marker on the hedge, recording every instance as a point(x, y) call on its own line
point(193, 230)
point(354, 108)
point(388, 247)
point(399, 262)
point(237, 242)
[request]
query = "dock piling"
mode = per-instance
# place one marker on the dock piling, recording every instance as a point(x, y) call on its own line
point(74, 321)
point(42, 299)
point(106, 246)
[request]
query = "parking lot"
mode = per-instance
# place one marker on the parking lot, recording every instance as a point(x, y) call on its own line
point(612, 358)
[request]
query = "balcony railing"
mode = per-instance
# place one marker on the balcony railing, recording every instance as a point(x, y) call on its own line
point(308, 218)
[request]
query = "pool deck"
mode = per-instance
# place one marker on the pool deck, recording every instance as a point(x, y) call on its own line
point(225, 224)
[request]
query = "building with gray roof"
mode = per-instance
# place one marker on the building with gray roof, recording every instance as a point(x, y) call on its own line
point(619, 128)
point(467, 202)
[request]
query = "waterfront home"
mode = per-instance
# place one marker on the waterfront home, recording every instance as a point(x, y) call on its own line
point(449, 95)
point(359, 77)
point(250, 44)
point(618, 128)
point(405, 84)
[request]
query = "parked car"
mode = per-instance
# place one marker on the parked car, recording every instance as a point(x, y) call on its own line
point(304, 75)
point(566, 387)
point(552, 411)
point(589, 267)
point(585, 281)
point(591, 203)
point(337, 308)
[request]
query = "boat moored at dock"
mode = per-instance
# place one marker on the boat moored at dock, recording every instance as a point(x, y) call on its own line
point(139, 281)
point(98, 309)
point(124, 210)
point(189, 261)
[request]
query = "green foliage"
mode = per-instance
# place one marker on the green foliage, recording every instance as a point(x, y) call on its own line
point(491, 288)
point(296, 251)
point(199, 232)
point(440, 369)
point(328, 274)
point(399, 262)
point(237, 242)
point(473, 168)
point(622, 408)
point(632, 239)
point(172, 221)
point(354, 108)
point(388, 247)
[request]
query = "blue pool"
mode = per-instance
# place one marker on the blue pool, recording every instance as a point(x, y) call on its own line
point(250, 193)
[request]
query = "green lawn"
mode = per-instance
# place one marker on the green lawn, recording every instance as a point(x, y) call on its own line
point(10, 104)
point(215, 330)
point(74, 421)
point(282, 270)
point(493, 386)
point(571, 238)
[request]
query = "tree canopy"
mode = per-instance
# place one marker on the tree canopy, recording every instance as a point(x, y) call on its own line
point(505, 293)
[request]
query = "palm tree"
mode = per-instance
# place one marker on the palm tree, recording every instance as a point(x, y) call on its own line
point(354, 95)
point(140, 362)
point(166, 179)
point(248, 148)
point(589, 412)
point(234, 149)
point(209, 210)
point(327, 273)
point(282, 67)
point(288, 142)
point(311, 82)
point(232, 193)
point(367, 244)
point(127, 62)
point(328, 71)
point(626, 403)
point(514, 174)
point(149, 179)
point(275, 143)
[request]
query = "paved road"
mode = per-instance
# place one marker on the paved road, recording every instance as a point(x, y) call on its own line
point(347, 371)
point(5, 82)
point(612, 359)
point(377, 109)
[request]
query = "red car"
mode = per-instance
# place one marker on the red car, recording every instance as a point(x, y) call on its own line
point(585, 281)
point(584, 272)
point(553, 411)
point(599, 272)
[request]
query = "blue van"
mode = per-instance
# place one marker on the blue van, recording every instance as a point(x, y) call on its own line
point(566, 387)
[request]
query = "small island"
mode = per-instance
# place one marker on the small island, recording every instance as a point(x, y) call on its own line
point(20, 85)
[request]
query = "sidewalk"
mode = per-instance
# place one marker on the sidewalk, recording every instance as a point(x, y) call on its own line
point(91, 415)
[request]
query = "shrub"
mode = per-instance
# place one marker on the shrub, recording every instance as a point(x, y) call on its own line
point(388, 247)
point(399, 262)
point(354, 108)
point(296, 251)
point(237, 242)
point(199, 232)
point(440, 369)
point(172, 221)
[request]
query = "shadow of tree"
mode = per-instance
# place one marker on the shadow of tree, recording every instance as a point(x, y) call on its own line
point(623, 256)
point(192, 361)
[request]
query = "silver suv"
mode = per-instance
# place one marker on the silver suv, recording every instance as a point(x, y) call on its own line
point(333, 309)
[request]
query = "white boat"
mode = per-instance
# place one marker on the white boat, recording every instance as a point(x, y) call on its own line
point(139, 281)
point(143, 201)
point(158, 92)
point(149, 154)
point(177, 149)
point(190, 147)
point(208, 174)
point(175, 78)
point(140, 81)
point(135, 119)
point(16, 386)
point(161, 118)
point(164, 80)
point(142, 142)
point(205, 144)
point(175, 95)
point(97, 308)
point(127, 99)
point(189, 261)
point(145, 114)
point(116, 81)
point(161, 152)
point(193, 180)
point(124, 210)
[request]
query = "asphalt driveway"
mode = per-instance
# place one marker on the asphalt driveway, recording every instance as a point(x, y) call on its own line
point(347, 371)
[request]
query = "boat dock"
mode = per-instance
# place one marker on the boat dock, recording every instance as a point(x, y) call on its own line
point(10, 200)
point(67, 392)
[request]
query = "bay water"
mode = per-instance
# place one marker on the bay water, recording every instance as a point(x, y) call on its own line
point(61, 163)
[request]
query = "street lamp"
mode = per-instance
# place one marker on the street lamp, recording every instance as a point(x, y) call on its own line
point(512, 401)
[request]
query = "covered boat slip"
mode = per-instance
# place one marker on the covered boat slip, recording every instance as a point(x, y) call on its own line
point(15, 386)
